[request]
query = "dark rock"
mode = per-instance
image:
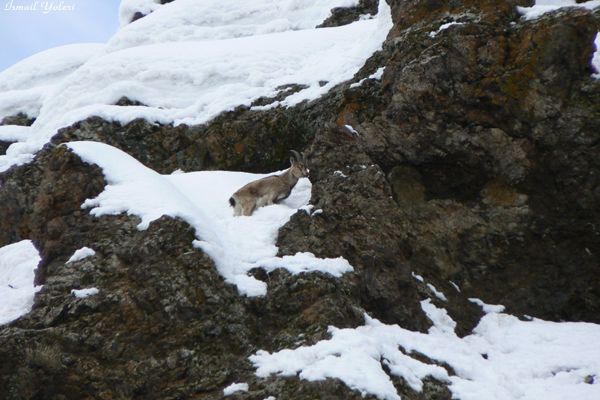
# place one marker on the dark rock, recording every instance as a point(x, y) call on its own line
point(346, 15)
point(3, 146)
point(18, 119)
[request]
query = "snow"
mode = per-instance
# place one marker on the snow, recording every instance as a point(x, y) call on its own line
point(235, 387)
point(80, 254)
point(455, 286)
point(443, 27)
point(503, 359)
point(185, 72)
point(432, 288)
point(436, 292)
point(542, 7)
point(488, 308)
point(25, 85)
point(18, 262)
point(128, 8)
point(351, 129)
point(305, 262)
point(83, 293)
point(236, 244)
point(417, 277)
point(375, 75)
point(191, 20)
point(596, 66)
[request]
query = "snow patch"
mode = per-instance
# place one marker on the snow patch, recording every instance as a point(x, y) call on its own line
point(417, 277)
point(18, 262)
point(350, 129)
point(596, 66)
point(436, 292)
point(235, 387)
point(542, 7)
point(307, 262)
point(455, 286)
point(488, 308)
point(375, 75)
point(236, 244)
point(83, 293)
point(503, 359)
point(443, 27)
point(80, 254)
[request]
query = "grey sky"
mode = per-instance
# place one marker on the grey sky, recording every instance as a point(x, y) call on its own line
point(24, 33)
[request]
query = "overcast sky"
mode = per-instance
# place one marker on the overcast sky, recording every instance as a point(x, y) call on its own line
point(23, 33)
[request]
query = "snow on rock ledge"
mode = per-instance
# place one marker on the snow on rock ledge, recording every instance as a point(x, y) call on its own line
point(542, 7)
point(18, 262)
point(80, 254)
point(234, 388)
point(504, 358)
point(236, 244)
point(596, 57)
point(85, 293)
point(213, 71)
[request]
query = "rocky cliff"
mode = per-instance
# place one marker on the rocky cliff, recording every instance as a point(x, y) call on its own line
point(473, 161)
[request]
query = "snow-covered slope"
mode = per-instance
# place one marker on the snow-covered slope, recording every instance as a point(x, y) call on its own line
point(193, 20)
point(189, 61)
point(236, 244)
point(25, 86)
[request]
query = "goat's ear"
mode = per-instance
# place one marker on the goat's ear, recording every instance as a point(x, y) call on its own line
point(292, 162)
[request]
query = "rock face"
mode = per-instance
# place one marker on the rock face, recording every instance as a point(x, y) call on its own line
point(475, 161)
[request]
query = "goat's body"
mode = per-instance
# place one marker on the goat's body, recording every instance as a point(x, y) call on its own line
point(262, 192)
point(270, 189)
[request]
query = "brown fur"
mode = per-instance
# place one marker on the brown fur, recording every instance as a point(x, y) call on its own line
point(269, 190)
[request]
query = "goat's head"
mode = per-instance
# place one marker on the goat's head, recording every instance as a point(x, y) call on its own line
point(299, 166)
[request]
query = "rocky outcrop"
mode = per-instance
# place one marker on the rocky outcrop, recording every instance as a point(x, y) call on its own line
point(472, 162)
point(19, 119)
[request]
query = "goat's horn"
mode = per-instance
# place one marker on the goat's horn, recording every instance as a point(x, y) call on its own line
point(303, 157)
point(296, 155)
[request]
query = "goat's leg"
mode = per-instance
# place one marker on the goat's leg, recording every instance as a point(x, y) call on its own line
point(248, 209)
point(237, 210)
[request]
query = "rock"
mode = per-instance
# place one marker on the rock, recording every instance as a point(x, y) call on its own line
point(346, 15)
point(18, 119)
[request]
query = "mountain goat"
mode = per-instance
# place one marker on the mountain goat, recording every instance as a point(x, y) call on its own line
point(270, 189)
